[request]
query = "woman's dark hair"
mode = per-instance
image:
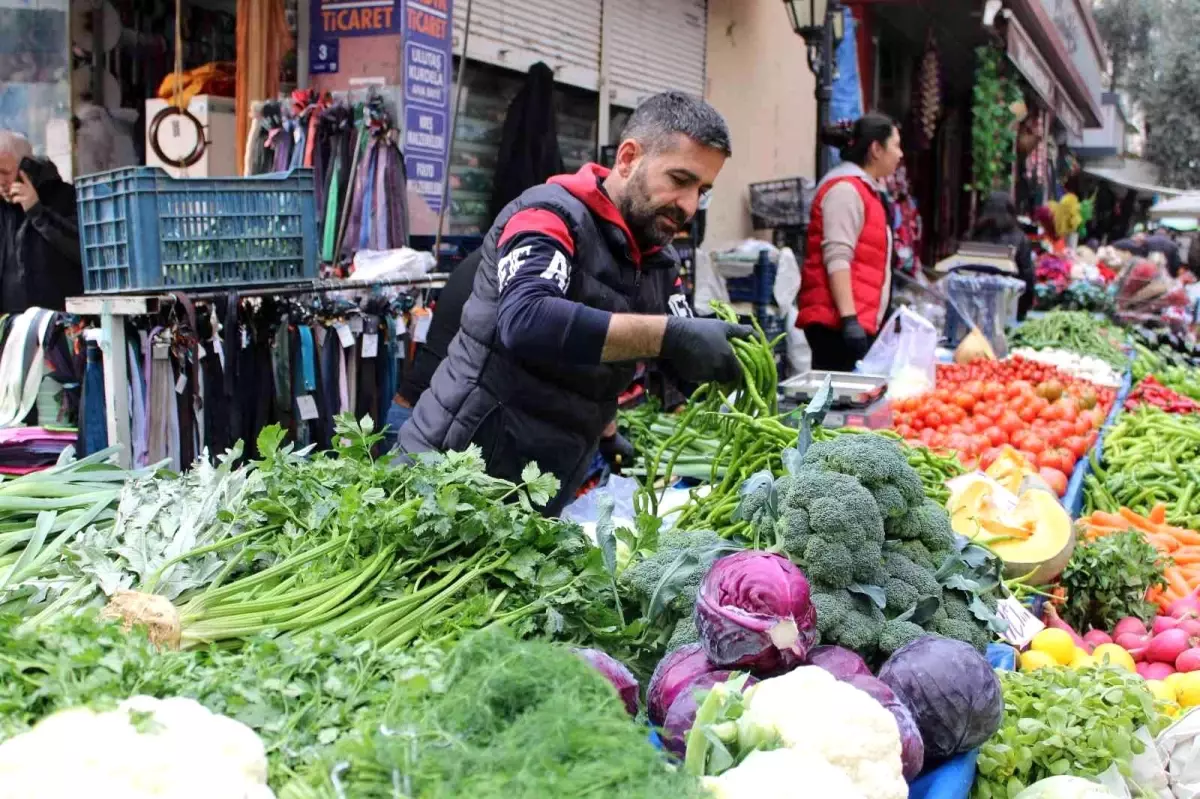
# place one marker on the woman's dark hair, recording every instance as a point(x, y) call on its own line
point(854, 140)
point(998, 215)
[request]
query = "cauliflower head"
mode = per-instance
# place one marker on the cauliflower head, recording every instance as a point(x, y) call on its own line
point(809, 711)
point(776, 774)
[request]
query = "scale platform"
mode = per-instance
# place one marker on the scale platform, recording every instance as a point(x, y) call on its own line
point(858, 400)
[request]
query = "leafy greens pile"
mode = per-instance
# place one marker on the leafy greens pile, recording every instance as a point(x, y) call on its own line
point(514, 720)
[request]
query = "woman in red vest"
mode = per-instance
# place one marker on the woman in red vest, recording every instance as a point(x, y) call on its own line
point(845, 282)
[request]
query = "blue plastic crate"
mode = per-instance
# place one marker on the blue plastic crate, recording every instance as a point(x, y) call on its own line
point(759, 287)
point(140, 228)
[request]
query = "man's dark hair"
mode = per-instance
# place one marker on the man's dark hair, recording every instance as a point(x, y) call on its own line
point(660, 117)
point(997, 216)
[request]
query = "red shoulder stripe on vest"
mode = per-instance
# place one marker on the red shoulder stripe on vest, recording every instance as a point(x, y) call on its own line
point(538, 220)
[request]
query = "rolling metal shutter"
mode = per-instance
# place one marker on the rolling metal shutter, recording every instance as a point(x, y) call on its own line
point(654, 45)
point(516, 34)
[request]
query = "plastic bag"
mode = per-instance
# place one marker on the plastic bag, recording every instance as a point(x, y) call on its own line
point(586, 510)
point(905, 352)
point(989, 300)
point(1179, 747)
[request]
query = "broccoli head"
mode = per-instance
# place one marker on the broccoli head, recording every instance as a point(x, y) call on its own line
point(972, 633)
point(905, 570)
point(791, 530)
point(831, 607)
point(928, 523)
point(914, 551)
point(685, 633)
point(890, 501)
point(859, 628)
point(828, 563)
point(836, 507)
point(868, 564)
point(874, 460)
point(897, 633)
point(642, 577)
point(900, 596)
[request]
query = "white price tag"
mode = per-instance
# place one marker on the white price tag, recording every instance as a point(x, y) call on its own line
point(344, 334)
point(160, 351)
point(421, 327)
point(200, 347)
point(356, 324)
point(181, 383)
point(307, 407)
point(370, 345)
point(1022, 625)
point(245, 337)
point(401, 327)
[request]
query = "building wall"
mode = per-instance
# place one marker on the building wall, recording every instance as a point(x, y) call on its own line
point(758, 77)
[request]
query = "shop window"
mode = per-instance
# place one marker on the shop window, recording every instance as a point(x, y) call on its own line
point(35, 87)
point(487, 93)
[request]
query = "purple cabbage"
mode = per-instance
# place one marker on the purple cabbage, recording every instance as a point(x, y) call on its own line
point(682, 713)
point(838, 661)
point(951, 691)
point(753, 611)
point(671, 675)
point(912, 747)
point(615, 672)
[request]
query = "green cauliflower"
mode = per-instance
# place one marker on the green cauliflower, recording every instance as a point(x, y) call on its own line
point(827, 523)
point(878, 463)
point(897, 633)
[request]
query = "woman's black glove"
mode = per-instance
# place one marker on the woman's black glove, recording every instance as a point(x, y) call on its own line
point(856, 339)
point(699, 349)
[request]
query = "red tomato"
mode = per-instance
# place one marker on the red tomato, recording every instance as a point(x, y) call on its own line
point(1055, 479)
point(1027, 414)
point(1051, 459)
point(1082, 424)
point(960, 443)
point(995, 436)
point(1033, 443)
point(1077, 445)
point(1010, 423)
point(926, 436)
point(964, 400)
point(989, 457)
point(933, 419)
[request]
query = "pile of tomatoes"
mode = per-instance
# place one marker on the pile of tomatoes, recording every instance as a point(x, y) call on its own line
point(1052, 418)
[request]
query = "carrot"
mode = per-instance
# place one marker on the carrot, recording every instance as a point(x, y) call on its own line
point(1182, 535)
point(1176, 581)
point(1106, 519)
point(1186, 555)
point(1158, 514)
point(1163, 542)
point(1140, 522)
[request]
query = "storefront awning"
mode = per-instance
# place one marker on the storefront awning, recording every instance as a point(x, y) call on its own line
point(1130, 180)
point(1186, 205)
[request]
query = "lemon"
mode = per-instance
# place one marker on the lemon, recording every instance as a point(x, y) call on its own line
point(1033, 659)
point(1058, 644)
point(1082, 660)
point(1114, 656)
point(1173, 681)
point(1161, 691)
point(1187, 689)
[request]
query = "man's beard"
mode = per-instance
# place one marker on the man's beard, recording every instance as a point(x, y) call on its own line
point(645, 221)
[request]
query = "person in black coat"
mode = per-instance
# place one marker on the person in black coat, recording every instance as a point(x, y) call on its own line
point(998, 224)
point(40, 264)
point(529, 154)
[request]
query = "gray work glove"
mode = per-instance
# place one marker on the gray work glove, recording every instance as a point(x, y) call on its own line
point(856, 339)
point(699, 349)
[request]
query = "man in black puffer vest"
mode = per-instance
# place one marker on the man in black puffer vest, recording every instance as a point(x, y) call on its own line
point(578, 282)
